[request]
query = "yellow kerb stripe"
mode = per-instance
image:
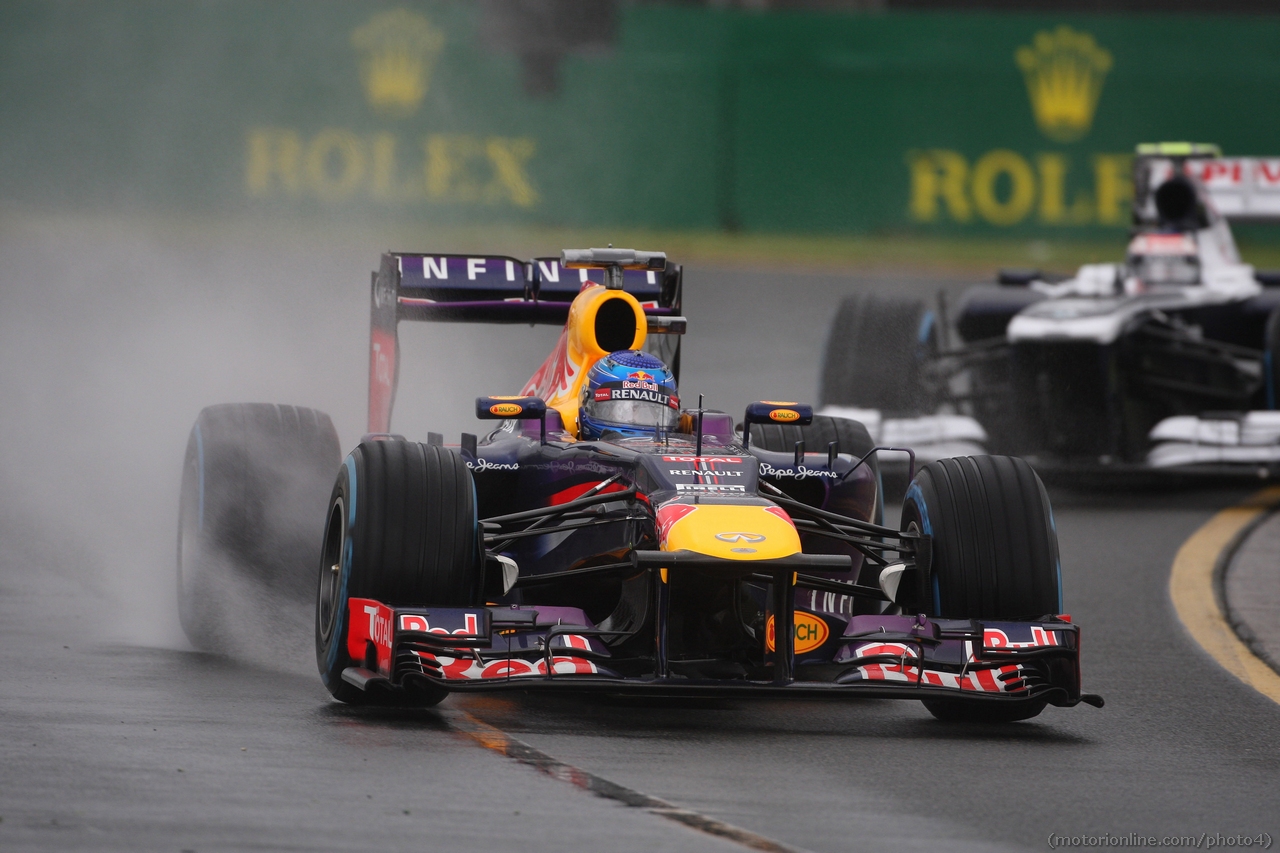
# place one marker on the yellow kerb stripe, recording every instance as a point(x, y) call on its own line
point(1192, 590)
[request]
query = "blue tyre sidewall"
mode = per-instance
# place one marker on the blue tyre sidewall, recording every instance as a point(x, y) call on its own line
point(336, 658)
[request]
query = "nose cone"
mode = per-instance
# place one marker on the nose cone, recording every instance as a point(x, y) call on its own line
point(731, 532)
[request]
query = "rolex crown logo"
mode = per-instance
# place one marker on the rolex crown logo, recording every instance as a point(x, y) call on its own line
point(398, 51)
point(1064, 71)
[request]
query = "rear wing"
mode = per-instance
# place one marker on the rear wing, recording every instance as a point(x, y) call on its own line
point(452, 288)
point(1239, 188)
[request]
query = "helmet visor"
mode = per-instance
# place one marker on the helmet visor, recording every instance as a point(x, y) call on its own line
point(633, 413)
point(1166, 269)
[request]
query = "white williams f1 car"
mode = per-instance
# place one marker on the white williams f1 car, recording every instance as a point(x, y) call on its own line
point(1165, 361)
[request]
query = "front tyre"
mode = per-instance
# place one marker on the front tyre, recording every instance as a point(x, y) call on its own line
point(1271, 361)
point(954, 711)
point(402, 530)
point(994, 555)
point(877, 354)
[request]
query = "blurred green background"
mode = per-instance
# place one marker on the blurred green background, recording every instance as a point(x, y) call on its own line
point(830, 135)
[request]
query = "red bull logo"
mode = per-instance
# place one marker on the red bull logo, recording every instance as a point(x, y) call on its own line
point(640, 379)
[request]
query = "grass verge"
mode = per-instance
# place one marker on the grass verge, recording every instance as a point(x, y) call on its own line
point(978, 256)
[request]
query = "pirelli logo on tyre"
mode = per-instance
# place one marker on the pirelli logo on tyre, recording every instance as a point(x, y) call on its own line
point(784, 415)
point(506, 410)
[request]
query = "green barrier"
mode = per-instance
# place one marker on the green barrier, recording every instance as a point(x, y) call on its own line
point(674, 118)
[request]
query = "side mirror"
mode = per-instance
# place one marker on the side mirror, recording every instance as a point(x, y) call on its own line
point(513, 408)
point(1017, 277)
point(771, 412)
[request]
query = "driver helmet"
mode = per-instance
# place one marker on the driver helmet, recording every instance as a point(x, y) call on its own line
point(630, 393)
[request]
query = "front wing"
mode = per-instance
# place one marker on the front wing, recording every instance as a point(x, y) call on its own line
point(492, 648)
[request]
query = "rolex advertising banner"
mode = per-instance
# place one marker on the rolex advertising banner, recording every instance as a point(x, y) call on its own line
point(637, 115)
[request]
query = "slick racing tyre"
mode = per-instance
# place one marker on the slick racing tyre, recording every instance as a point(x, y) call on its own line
point(851, 436)
point(984, 312)
point(994, 555)
point(402, 530)
point(250, 512)
point(876, 353)
point(1271, 361)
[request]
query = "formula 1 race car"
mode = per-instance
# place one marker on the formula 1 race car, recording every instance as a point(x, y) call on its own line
point(680, 557)
point(1166, 361)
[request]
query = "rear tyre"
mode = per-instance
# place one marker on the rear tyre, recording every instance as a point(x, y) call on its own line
point(781, 438)
point(995, 555)
point(402, 529)
point(250, 511)
point(876, 354)
point(851, 435)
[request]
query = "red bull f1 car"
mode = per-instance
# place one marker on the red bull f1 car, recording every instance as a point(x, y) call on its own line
point(1166, 362)
point(698, 558)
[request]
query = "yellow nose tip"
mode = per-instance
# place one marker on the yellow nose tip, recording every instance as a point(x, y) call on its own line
point(733, 532)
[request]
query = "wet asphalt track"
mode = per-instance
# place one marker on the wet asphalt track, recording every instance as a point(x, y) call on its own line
point(113, 736)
